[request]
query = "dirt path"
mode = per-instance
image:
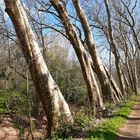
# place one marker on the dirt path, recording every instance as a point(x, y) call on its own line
point(131, 129)
point(7, 130)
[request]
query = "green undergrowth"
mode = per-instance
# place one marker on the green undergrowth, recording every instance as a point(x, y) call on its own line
point(11, 101)
point(107, 130)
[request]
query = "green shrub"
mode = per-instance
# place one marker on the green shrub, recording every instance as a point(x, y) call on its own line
point(82, 120)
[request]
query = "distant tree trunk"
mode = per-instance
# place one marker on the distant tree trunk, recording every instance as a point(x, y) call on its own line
point(134, 75)
point(125, 79)
point(117, 95)
point(130, 76)
point(114, 86)
point(82, 55)
point(52, 100)
point(132, 70)
point(114, 50)
point(119, 73)
point(107, 90)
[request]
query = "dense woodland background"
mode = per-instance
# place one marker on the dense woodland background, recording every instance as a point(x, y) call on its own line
point(67, 65)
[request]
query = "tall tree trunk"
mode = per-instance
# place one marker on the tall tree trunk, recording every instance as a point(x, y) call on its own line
point(114, 49)
point(52, 100)
point(133, 74)
point(82, 55)
point(119, 72)
point(107, 90)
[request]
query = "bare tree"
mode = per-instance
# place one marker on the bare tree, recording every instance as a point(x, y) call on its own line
point(93, 91)
point(114, 50)
point(127, 18)
point(53, 102)
point(107, 89)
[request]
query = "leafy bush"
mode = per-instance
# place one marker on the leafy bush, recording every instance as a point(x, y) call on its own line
point(82, 120)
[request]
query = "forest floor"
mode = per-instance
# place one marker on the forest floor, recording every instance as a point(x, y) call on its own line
point(131, 129)
point(9, 130)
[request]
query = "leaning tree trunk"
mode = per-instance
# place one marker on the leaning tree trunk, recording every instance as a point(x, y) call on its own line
point(134, 74)
point(115, 51)
point(107, 89)
point(117, 95)
point(52, 100)
point(114, 85)
point(126, 80)
point(119, 72)
point(130, 77)
point(82, 55)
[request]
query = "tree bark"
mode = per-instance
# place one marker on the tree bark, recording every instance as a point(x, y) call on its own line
point(117, 95)
point(133, 68)
point(130, 77)
point(125, 79)
point(114, 85)
point(93, 90)
point(53, 102)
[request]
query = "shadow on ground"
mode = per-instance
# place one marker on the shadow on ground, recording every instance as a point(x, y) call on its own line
point(99, 134)
point(107, 135)
point(126, 138)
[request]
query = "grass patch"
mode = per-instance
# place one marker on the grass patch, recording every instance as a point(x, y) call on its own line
point(107, 130)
